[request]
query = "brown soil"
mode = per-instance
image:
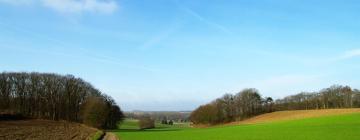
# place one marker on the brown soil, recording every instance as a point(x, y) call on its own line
point(44, 130)
point(297, 114)
point(110, 136)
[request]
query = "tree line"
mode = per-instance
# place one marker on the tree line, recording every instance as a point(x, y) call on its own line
point(57, 97)
point(159, 116)
point(249, 102)
point(336, 96)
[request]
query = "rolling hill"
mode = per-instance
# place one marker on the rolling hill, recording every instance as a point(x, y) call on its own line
point(296, 114)
point(335, 124)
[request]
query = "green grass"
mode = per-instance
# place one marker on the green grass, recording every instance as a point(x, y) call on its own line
point(341, 127)
point(129, 124)
point(97, 135)
point(132, 125)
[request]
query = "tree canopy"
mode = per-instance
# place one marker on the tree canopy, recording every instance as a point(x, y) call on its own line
point(57, 97)
point(249, 102)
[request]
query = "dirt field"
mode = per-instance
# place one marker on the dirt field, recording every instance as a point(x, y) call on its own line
point(297, 114)
point(44, 130)
point(110, 136)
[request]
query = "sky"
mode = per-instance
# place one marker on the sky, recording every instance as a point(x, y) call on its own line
point(175, 55)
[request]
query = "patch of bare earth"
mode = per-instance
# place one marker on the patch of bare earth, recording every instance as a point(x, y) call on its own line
point(44, 130)
point(294, 115)
point(110, 136)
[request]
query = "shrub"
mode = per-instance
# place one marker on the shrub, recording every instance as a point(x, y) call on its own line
point(94, 112)
point(146, 123)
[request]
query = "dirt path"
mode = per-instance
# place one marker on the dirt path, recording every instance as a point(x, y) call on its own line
point(110, 136)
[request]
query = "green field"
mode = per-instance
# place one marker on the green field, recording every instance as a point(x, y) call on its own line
point(340, 127)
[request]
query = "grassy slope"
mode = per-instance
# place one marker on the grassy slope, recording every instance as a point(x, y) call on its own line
point(97, 135)
point(338, 127)
point(295, 115)
point(129, 124)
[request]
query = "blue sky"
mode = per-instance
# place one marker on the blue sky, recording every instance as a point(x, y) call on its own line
point(176, 55)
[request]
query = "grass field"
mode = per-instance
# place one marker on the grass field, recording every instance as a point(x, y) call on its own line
point(330, 127)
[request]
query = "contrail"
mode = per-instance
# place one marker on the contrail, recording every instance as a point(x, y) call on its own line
point(201, 18)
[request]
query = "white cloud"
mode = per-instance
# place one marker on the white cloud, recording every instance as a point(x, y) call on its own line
point(71, 6)
point(78, 6)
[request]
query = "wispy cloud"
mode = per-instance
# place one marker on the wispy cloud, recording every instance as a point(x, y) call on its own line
point(162, 35)
point(80, 54)
point(57, 48)
point(342, 56)
point(71, 6)
point(312, 60)
point(79, 6)
point(350, 54)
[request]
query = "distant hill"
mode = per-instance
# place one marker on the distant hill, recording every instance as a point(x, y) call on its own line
point(160, 115)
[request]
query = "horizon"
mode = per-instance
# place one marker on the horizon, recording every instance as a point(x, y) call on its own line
point(176, 55)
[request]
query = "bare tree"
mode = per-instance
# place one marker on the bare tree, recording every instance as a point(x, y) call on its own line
point(249, 102)
point(52, 96)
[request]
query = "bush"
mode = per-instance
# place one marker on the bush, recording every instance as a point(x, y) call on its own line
point(94, 112)
point(171, 122)
point(146, 123)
